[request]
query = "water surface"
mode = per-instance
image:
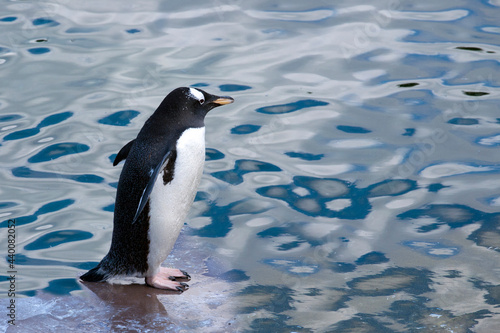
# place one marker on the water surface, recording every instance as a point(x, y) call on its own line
point(352, 186)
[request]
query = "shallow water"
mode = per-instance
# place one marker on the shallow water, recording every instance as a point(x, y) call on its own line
point(351, 187)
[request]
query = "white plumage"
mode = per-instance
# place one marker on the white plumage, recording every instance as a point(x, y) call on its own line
point(169, 204)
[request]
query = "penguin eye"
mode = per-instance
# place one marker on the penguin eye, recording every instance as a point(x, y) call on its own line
point(202, 101)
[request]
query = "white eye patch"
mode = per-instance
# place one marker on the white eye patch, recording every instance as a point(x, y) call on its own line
point(198, 95)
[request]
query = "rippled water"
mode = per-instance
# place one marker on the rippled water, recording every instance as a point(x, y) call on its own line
point(352, 187)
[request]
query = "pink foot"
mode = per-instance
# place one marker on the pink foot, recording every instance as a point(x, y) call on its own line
point(173, 273)
point(166, 279)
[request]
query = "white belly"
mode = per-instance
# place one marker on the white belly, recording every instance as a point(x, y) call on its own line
point(169, 204)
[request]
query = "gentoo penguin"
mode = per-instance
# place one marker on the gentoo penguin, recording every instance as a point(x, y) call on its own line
point(158, 183)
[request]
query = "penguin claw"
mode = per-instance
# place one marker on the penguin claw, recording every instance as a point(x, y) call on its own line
point(186, 275)
point(168, 278)
point(183, 287)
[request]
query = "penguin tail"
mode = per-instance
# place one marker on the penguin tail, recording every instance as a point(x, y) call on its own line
point(96, 274)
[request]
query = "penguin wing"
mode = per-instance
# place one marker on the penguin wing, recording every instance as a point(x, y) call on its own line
point(123, 153)
point(149, 187)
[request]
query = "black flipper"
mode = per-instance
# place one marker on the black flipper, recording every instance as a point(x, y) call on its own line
point(123, 153)
point(96, 274)
point(152, 179)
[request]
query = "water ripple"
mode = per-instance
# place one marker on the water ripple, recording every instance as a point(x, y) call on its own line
point(445, 15)
point(296, 267)
point(299, 16)
point(25, 172)
point(242, 167)
point(8, 19)
point(452, 169)
point(50, 207)
point(290, 107)
point(48, 121)
point(245, 129)
point(39, 50)
point(353, 129)
point(57, 150)
point(434, 249)
point(489, 140)
point(313, 196)
point(45, 21)
point(233, 87)
point(56, 238)
point(119, 118)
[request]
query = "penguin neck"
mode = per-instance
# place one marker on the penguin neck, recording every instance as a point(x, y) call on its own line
point(160, 125)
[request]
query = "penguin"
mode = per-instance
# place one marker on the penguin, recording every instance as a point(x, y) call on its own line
point(158, 183)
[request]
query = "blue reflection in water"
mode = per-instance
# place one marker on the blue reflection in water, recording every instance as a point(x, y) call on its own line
point(55, 238)
point(342, 267)
point(48, 121)
point(291, 107)
point(57, 150)
point(25, 172)
point(212, 154)
point(7, 204)
point(323, 190)
point(45, 209)
point(489, 141)
point(8, 19)
point(120, 118)
point(372, 258)
point(434, 249)
point(233, 87)
point(353, 129)
point(39, 50)
point(245, 129)
point(411, 280)
point(109, 208)
point(305, 156)
point(242, 167)
point(220, 215)
point(234, 275)
point(463, 121)
point(296, 267)
point(455, 216)
point(9, 117)
point(45, 21)
point(413, 313)
point(200, 85)
point(133, 31)
point(409, 132)
point(458, 216)
point(24, 260)
point(62, 286)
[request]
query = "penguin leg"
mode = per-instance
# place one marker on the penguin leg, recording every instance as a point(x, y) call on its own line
point(165, 279)
point(174, 273)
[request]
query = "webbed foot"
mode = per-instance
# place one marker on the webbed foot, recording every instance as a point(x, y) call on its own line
point(166, 278)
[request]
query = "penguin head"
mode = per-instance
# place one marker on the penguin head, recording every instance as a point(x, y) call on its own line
point(190, 105)
point(204, 100)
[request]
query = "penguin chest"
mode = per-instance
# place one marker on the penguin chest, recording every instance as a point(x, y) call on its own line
point(173, 194)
